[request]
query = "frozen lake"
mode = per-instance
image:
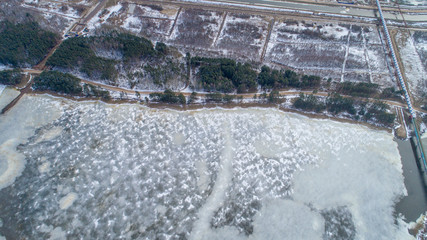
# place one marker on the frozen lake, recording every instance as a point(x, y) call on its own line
point(92, 170)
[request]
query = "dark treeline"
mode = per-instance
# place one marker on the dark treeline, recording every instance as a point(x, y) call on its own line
point(67, 83)
point(360, 89)
point(368, 90)
point(272, 78)
point(378, 111)
point(90, 90)
point(168, 96)
point(391, 93)
point(24, 44)
point(309, 103)
point(11, 77)
point(81, 53)
point(221, 98)
point(214, 74)
point(335, 104)
point(131, 47)
point(76, 53)
point(57, 82)
point(226, 75)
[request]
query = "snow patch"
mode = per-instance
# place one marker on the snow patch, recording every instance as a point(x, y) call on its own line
point(44, 167)
point(57, 234)
point(67, 200)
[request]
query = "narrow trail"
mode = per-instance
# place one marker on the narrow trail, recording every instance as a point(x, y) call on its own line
point(174, 22)
point(267, 39)
point(365, 50)
point(220, 29)
point(346, 54)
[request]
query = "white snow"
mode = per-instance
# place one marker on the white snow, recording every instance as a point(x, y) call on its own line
point(335, 31)
point(169, 11)
point(53, 8)
point(2, 87)
point(97, 20)
point(57, 234)
point(133, 23)
point(67, 200)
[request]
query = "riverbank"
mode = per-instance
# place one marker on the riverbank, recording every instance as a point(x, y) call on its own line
point(196, 106)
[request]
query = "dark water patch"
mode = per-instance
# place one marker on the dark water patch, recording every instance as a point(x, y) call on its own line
point(339, 224)
point(413, 205)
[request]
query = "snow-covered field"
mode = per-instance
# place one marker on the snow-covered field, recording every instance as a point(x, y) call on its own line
point(412, 51)
point(147, 20)
point(196, 27)
point(243, 35)
point(54, 7)
point(411, 2)
point(343, 52)
point(330, 49)
point(100, 171)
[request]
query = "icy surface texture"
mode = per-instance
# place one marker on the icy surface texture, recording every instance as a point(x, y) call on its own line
point(128, 174)
point(15, 128)
point(99, 171)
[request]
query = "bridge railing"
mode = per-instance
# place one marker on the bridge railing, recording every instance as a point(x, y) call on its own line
point(403, 86)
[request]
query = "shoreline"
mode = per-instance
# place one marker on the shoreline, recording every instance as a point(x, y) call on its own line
point(197, 106)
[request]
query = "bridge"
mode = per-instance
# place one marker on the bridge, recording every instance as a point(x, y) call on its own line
point(417, 140)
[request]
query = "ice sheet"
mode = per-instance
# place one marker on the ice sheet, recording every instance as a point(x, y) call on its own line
point(95, 170)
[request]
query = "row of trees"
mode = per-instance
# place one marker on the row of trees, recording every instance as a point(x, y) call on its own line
point(130, 46)
point(10, 77)
point(76, 53)
point(225, 75)
point(82, 53)
point(24, 44)
point(67, 83)
point(360, 89)
point(335, 103)
point(168, 96)
point(221, 98)
point(309, 103)
point(271, 78)
point(57, 82)
point(90, 90)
